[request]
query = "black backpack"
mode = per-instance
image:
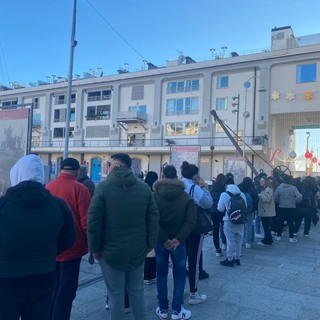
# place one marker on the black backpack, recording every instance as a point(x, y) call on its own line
point(237, 209)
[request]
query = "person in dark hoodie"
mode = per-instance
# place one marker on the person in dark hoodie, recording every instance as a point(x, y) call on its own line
point(85, 180)
point(34, 228)
point(218, 187)
point(177, 219)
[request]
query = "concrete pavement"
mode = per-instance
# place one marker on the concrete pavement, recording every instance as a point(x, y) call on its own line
point(281, 282)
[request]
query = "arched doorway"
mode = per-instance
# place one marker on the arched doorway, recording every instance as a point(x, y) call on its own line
point(95, 172)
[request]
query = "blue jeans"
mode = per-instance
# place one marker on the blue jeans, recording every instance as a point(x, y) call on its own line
point(67, 284)
point(28, 300)
point(179, 262)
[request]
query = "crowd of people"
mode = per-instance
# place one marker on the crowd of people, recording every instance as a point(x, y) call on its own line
point(136, 230)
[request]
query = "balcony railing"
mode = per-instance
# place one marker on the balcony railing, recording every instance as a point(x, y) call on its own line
point(146, 143)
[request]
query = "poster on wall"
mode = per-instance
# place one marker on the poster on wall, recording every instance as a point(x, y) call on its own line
point(236, 166)
point(178, 154)
point(13, 142)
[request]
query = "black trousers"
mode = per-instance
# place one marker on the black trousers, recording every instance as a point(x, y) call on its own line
point(194, 244)
point(217, 222)
point(266, 224)
point(286, 214)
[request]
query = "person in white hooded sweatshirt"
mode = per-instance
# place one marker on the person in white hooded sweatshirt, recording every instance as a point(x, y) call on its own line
point(34, 227)
point(233, 232)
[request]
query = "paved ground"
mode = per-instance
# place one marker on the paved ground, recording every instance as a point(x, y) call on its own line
point(281, 282)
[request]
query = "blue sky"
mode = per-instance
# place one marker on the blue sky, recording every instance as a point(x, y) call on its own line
point(35, 34)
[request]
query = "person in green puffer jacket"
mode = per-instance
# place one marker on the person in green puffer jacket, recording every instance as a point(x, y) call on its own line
point(122, 227)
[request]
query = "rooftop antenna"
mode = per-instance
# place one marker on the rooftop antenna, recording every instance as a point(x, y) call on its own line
point(181, 57)
point(212, 50)
point(223, 48)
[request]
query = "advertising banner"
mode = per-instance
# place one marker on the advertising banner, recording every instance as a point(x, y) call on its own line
point(178, 154)
point(236, 166)
point(13, 142)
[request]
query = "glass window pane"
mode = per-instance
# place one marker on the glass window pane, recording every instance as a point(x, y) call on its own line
point(170, 107)
point(306, 73)
point(195, 85)
point(172, 87)
point(179, 128)
point(181, 86)
point(223, 82)
point(179, 109)
point(194, 105)
point(170, 128)
point(187, 104)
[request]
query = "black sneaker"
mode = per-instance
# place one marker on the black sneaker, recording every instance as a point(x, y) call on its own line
point(203, 275)
point(237, 262)
point(227, 263)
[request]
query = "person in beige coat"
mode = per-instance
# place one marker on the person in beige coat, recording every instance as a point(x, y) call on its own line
point(266, 209)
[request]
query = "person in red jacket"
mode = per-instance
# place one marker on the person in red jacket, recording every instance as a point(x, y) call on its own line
point(77, 196)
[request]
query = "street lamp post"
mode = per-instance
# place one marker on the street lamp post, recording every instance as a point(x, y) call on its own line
point(246, 113)
point(69, 93)
point(236, 105)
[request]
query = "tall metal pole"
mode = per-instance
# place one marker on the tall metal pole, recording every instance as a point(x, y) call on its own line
point(72, 46)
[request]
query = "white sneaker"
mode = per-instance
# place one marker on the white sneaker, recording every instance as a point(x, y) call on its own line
point(293, 240)
point(248, 245)
point(183, 314)
point(162, 314)
point(277, 238)
point(259, 236)
point(196, 298)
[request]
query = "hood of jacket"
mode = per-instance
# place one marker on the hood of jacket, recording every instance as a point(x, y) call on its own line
point(28, 168)
point(234, 189)
point(169, 189)
point(122, 177)
point(29, 194)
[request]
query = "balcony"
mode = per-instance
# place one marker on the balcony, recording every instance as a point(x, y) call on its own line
point(127, 117)
point(221, 143)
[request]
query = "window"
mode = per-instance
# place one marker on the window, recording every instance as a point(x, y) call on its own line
point(181, 128)
point(182, 106)
point(94, 96)
point(36, 121)
point(137, 93)
point(106, 95)
point(60, 99)
point(103, 112)
point(9, 103)
point(306, 73)
point(60, 132)
point(98, 112)
point(72, 114)
point(60, 115)
point(142, 109)
point(183, 86)
point(221, 103)
point(222, 82)
point(99, 95)
point(35, 103)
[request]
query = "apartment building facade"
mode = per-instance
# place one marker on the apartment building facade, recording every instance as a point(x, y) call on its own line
point(263, 97)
